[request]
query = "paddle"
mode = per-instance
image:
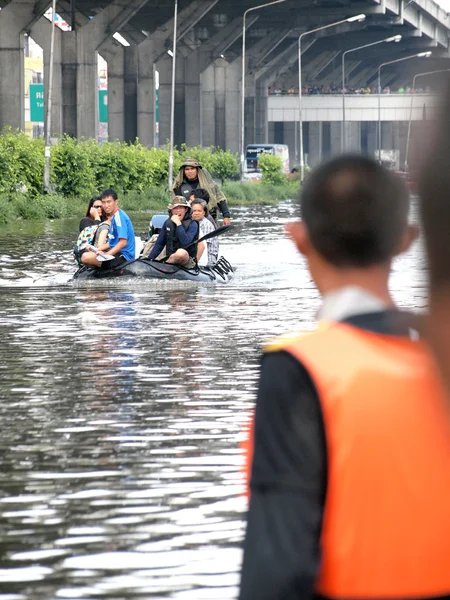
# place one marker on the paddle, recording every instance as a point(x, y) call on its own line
point(208, 236)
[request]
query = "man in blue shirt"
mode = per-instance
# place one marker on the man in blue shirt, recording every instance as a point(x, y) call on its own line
point(121, 239)
point(178, 232)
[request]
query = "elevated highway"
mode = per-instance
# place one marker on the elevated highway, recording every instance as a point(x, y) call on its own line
point(209, 40)
point(322, 116)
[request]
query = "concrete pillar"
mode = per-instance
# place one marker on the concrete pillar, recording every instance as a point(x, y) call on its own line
point(271, 132)
point(146, 96)
point(116, 92)
point(335, 137)
point(130, 93)
point(215, 82)
point(41, 34)
point(69, 87)
point(371, 137)
point(400, 132)
point(164, 68)
point(289, 136)
point(232, 105)
point(261, 116)
point(14, 18)
point(353, 136)
point(220, 66)
point(387, 138)
point(208, 120)
point(315, 143)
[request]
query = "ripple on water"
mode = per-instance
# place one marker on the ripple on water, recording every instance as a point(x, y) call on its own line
point(122, 408)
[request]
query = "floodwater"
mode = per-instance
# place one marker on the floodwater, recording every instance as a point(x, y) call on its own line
point(121, 407)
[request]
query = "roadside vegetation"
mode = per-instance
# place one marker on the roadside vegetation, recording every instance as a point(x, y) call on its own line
point(83, 168)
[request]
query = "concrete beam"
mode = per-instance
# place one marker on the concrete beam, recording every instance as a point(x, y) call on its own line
point(335, 76)
point(40, 7)
point(259, 60)
point(316, 67)
point(424, 15)
point(131, 7)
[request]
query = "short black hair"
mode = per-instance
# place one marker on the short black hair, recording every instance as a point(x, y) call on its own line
point(201, 194)
point(355, 211)
point(107, 193)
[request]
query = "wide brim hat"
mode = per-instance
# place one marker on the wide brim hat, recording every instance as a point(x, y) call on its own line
point(179, 201)
point(191, 162)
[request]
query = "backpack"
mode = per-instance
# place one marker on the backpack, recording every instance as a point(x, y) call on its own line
point(85, 238)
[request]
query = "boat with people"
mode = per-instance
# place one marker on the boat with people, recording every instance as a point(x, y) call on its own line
point(145, 268)
point(180, 246)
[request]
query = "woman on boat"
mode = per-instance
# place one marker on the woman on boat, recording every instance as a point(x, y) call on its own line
point(94, 213)
point(207, 251)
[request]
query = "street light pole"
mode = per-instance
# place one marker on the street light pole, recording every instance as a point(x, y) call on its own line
point(391, 62)
point(48, 121)
point(395, 38)
point(410, 110)
point(243, 81)
point(300, 115)
point(172, 96)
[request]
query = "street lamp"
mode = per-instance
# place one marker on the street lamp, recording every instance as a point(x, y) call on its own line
point(48, 121)
point(172, 95)
point(395, 38)
point(243, 79)
point(411, 106)
point(418, 55)
point(349, 20)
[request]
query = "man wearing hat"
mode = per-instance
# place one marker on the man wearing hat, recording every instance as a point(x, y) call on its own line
point(192, 176)
point(178, 232)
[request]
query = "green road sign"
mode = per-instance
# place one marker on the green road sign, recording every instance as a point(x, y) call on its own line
point(103, 106)
point(37, 102)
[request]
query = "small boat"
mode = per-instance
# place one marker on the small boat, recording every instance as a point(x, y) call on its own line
point(221, 272)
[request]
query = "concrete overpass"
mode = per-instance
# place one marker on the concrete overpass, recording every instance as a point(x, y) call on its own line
point(322, 122)
point(208, 59)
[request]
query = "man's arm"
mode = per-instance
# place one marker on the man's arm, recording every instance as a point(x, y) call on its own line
point(159, 244)
point(187, 237)
point(118, 247)
point(288, 484)
point(223, 206)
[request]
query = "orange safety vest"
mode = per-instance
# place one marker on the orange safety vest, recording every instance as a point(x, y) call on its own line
point(386, 523)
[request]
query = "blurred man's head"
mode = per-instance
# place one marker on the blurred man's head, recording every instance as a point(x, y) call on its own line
point(354, 215)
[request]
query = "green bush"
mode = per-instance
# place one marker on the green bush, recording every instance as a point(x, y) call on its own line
point(21, 163)
point(7, 212)
point(224, 164)
point(74, 166)
point(271, 168)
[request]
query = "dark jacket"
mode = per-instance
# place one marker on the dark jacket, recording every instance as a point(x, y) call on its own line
point(173, 237)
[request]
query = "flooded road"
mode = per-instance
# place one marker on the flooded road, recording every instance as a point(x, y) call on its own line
point(121, 405)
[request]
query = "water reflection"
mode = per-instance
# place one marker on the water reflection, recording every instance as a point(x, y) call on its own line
point(122, 407)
